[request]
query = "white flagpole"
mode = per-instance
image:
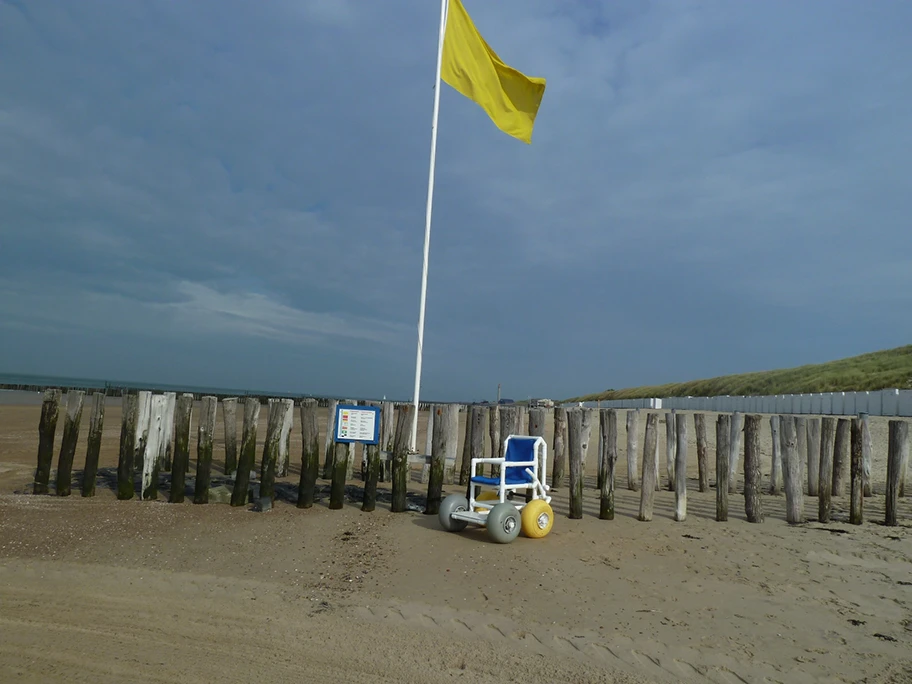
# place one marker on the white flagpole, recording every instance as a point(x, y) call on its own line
point(427, 226)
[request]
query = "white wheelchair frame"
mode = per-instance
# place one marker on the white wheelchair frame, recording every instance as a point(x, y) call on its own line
point(536, 468)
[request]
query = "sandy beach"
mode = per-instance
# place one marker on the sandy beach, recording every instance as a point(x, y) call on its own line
point(100, 590)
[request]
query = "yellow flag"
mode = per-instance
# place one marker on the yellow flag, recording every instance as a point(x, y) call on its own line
point(473, 69)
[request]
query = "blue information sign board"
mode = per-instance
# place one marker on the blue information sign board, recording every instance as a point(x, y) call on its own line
point(357, 424)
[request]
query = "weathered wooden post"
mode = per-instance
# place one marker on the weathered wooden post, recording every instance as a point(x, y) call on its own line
point(181, 458)
point(867, 448)
point(825, 476)
point(753, 506)
point(269, 464)
point(776, 468)
point(75, 399)
point(372, 457)
point(586, 437)
point(801, 430)
point(575, 447)
point(287, 414)
point(440, 445)
point(633, 421)
point(400, 458)
point(723, 451)
point(841, 457)
point(229, 418)
point(813, 456)
point(608, 426)
point(734, 451)
point(791, 470)
point(475, 432)
point(560, 448)
point(168, 431)
point(508, 420)
point(856, 505)
point(204, 436)
point(96, 426)
point(143, 409)
point(47, 430)
point(429, 444)
point(153, 455)
point(387, 431)
point(466, 447)
point(702, 465)
point(680, 467)
point(125, 459)
point(340, 469)
point(904, 468)
point(310, 453)
point(537, 429)
point(650, 475)
point(329, 452)
point(494, 432)
point(896, 446)
point(670, 444)
point(247, 454)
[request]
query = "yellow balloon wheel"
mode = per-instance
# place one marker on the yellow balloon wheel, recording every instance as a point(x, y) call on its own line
point(537, 519)
point(485, 496)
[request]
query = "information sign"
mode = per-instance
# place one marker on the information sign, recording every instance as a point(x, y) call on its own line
point(359, 424)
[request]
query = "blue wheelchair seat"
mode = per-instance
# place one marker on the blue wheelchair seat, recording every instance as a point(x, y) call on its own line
point(519, 450)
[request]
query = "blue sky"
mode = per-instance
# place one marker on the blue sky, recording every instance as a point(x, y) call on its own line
point(232, 193)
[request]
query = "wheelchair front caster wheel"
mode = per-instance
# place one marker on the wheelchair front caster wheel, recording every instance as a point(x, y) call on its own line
point(503, 523)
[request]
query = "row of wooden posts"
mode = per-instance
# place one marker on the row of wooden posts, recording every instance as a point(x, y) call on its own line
point(829, 450)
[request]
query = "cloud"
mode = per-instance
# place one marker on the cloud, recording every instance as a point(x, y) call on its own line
point(712, 187)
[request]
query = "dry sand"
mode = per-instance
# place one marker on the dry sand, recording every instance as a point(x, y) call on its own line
point(100, 590)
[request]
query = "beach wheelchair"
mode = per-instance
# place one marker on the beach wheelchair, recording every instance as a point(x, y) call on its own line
point(489, 502)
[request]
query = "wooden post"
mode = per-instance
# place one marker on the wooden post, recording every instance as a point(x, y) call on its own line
point(310, 453)
point(204, 436)
point(372, 458)
point(575, 447)
point(867, 448)
point(96, 426)
point(813, 456)
point(633, 420)
point(904, 468)
point(650, 475)
point(329, 452)
point(450, 464)
point(896, 446)
point(856, 505)
point(446, 429)
point(75, 399)
point(168, 431)
point(269, 463)
point(776, 469)
point(537, 429)
point(287, 414)
point(494, 432)
point(143, 408)
point(560, 448)
point(153, 455)
point(825, 469)
point(340, 469)
point(734, 452)
point(229, 418)
point(47, 430)
point(466, 447)
point(476, 449)
point(586, 437)
point(791, 470)
point(125, 468)
point(608, 425)
point(429, 444)
point(680, 467)
point(508, 420)
point(753, 505)
point(670, 444)
point(702, 465)
point(841, 457)
point(387, 431)
point(247, 454)
point(655, 458)
point(801, 431)
point(723, 451)
point(181, 459)
point(400, 458)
